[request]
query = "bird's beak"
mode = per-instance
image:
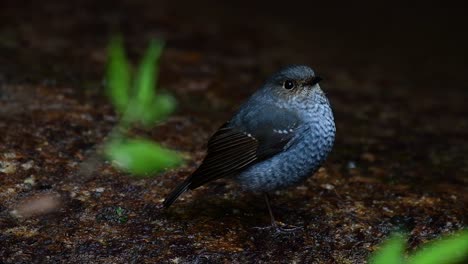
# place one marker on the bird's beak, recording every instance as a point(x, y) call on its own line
point(315, 80)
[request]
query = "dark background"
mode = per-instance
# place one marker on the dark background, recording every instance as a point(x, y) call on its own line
point(396, 77)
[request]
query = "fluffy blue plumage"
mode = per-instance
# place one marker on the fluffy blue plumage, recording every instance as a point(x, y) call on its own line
point(310, 145)
point(278, 137)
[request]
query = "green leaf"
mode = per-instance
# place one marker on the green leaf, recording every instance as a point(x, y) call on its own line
point(121, 214)
point(141, 157)
point(147, 77)
point(391, 251)
point(118, 75)
point(450, 249)
point(163, 106)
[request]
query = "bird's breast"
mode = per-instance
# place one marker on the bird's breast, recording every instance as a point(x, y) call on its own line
point(308, 149)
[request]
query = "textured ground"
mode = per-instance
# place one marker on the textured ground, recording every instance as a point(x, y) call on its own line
point(397, 85)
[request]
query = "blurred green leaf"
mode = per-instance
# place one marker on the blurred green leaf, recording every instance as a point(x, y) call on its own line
point(391, 251)
point(141, 157)
point(452, 249)
point(145, 82)
point(163, 106)
point(137, 103)
point(118, 75)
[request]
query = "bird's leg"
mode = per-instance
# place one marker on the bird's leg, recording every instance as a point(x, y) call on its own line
point(267, 201)
point(278, 228)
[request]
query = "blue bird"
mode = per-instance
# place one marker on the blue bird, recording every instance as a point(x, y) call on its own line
point(278, 137)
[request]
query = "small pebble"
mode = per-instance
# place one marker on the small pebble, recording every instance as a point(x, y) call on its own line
point(351, 165)
point(30, 180)
point(27, 165)
point(327, 186)
point(7, 167)
point(37, 205)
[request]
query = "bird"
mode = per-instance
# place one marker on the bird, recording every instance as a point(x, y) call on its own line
point(277, 138)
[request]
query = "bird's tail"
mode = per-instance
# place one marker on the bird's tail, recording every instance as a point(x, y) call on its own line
point(180, 189)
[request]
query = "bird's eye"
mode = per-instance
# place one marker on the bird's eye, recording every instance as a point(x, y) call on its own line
point(288, 84)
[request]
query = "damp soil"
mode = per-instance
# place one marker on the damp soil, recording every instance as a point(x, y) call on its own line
point(398, 91)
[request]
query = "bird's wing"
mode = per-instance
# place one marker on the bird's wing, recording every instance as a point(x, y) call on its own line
point(248, 138)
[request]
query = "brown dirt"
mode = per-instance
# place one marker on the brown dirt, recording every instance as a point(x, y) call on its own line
point(398, 89)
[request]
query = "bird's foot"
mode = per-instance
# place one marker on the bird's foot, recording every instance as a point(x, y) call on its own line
point(288, 228)
point(280, 228)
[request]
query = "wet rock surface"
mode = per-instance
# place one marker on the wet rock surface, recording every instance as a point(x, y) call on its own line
point(399, 162)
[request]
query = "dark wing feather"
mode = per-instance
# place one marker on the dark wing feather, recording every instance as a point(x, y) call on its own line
point(249, 138)
point(228, 152)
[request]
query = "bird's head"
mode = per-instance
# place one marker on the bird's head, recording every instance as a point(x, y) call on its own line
point(296, 85)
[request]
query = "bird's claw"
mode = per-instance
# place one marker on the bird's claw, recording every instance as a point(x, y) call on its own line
point(280, 228)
